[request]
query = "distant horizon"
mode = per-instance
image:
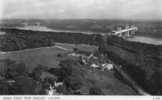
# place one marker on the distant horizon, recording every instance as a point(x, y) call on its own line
point(82, 9)
point(141, 20)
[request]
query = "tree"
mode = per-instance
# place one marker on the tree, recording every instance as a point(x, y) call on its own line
point(73, 82)
point(4, 89)
point(36, 73)
point(95, 91)
point(65, 68)
point(24, 85)
point(16, 70)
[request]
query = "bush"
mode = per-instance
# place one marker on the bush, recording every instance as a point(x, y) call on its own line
point(73, 83)
point(36, 73)
point(56, 72)
point(24, 85)
point(61, 89)
point(3, 88)
point(65, 68)
point(95, 91)
point(16, 70)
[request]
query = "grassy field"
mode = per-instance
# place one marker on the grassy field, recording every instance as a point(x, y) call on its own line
point(31, 58)
point(46, 56)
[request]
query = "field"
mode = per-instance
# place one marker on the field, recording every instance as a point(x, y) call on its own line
point(34, 48)
point(47, 56)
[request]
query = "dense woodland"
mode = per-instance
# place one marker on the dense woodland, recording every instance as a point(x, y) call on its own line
point(21, 39)
point(35, 83)
point(141, 61)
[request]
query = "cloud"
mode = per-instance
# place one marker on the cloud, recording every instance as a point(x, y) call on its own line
point(120, 9)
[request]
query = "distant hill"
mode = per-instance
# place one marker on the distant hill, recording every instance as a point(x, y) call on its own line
point(146, 28)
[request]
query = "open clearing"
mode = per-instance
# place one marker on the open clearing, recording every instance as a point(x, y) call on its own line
point(46, 56)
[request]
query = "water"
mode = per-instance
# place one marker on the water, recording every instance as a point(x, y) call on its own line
point(148, 40)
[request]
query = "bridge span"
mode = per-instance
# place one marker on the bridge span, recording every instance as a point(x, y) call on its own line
point(127, 32)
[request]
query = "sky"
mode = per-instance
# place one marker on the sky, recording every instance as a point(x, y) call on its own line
point(81, 9)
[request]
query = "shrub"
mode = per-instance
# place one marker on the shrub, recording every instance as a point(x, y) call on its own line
point(73, 83)
point(36, 73)
point(65, 68)
point(16, 70)
point(95, 91)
